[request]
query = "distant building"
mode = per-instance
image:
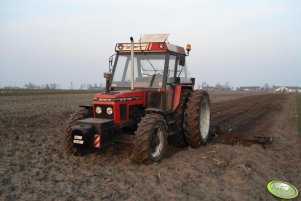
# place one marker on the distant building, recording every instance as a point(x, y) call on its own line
point(217, 87)
point(281, 89)
point(290, 89)
point(250, 88)
point(209, 88)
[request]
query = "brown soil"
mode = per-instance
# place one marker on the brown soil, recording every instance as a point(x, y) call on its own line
point(33, 164)
point(243, 120)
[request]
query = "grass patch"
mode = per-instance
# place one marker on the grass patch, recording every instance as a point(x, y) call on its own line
point(298, 99)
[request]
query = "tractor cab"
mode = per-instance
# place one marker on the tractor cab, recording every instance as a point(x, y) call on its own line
point(156, 64)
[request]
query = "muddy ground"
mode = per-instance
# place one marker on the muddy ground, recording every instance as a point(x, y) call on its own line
point(233, 166)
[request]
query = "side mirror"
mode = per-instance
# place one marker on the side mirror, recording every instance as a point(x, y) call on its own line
point(111, 59)
point(193, 80)
point(182, 60)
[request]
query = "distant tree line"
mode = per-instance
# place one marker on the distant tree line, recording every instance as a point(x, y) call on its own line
point(31, 85)
point(52, 86)
point(217, 87)
point(227, 87)
point(91, 86)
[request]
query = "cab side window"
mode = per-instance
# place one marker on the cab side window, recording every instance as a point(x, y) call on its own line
point(183, 74)
point(171, 69)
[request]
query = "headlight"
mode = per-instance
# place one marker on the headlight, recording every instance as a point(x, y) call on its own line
point(109, 110)
point(98, 110)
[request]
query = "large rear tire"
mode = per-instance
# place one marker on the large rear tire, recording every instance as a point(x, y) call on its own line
point(178, 139)
point(150, 143)
point(70, 148)
point(197, 119)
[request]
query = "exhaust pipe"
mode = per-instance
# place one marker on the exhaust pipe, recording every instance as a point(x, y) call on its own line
point(108, 77)
point(132, 63)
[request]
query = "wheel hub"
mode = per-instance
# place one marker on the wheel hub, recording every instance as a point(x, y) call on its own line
point(157, 142)
point(204, 120)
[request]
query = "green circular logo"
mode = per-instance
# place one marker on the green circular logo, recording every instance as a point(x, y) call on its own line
point(282, 189)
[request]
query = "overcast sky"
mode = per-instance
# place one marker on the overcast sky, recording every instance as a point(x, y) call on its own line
point(63, 41)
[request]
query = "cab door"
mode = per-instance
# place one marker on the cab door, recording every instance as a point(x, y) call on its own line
point(170, 83)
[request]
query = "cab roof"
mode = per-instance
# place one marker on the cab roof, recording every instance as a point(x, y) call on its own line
point(151, 43)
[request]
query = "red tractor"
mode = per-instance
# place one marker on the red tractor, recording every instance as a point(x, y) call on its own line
point(149, 100)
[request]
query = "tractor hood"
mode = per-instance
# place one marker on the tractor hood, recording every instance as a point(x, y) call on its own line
point(113, 96)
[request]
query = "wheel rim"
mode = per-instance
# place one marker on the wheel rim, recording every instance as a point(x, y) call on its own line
point(204, 119)
point(157, 142)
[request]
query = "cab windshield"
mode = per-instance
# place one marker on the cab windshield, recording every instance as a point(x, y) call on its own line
point(148, 70)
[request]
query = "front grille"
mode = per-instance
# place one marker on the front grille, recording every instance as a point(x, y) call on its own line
point(122, 109)
point(103, 113)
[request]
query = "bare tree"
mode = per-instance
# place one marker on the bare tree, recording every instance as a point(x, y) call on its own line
point(31, 85)
point(89, 86)
point(53, 86)
point(266, 87)
point(50, 86)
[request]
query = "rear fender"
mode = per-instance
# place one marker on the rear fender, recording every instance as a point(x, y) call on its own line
point(177, 95)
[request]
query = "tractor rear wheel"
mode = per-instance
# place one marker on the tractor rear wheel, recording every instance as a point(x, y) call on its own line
point(197, 119)
point(150, 143)
point(178, 139)
point(70, 148)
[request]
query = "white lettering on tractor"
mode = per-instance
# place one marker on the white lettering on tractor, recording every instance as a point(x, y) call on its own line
point(78, 137)
point(78, 142)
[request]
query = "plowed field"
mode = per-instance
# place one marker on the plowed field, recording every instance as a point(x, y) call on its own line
point(242, 119)
point(235, 165)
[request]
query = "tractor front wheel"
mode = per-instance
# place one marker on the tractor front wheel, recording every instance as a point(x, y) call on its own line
point(197, 118)
point(150, 143)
